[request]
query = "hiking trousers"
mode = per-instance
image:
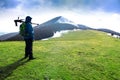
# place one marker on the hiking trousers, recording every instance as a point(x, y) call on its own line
point(28, 48)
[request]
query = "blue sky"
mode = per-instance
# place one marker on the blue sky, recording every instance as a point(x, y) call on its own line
point(93, 13)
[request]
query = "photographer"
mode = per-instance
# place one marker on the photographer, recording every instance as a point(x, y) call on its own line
point(28, 37)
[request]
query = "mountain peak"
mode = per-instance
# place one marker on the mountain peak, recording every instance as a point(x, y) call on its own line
point(59, 19)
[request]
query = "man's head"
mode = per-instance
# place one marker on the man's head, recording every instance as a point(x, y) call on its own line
point(28, 19)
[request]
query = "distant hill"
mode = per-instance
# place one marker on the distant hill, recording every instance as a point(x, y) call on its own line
point(109, 31)
point(1, 33)
point(48, 28)
point(11, 36)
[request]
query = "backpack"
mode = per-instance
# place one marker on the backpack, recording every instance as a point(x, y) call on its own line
point(22, 29)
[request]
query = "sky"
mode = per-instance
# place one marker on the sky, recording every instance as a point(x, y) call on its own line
point(92, 13)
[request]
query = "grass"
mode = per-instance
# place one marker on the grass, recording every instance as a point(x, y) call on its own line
point(79, 55)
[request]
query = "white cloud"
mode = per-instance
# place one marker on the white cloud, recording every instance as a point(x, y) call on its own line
point(95, 19)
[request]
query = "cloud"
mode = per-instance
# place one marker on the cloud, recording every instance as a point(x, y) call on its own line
point(106, 5)
point(109, 5)
point(86, 12)
point(8, 3)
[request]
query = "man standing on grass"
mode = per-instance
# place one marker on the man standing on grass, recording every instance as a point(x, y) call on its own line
point(28, 37)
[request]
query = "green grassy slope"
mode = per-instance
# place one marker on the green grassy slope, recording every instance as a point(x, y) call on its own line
point(79, 55)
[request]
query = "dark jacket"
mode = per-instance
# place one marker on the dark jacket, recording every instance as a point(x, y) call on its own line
point(29, 29)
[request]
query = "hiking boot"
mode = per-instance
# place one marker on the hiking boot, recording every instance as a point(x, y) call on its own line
point(25, 57)
point(32, 58)
point(0, 71)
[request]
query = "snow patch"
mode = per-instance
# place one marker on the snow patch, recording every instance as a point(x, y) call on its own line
point(115, 36)
point(60, 33)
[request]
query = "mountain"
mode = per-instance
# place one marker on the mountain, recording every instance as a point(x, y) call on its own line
point(59, 19)
point(45, 30)
point(83, 27)
point(48, 28)
point(59, 23)
point(11, 36)
point(1, 33)
point(109, 31)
